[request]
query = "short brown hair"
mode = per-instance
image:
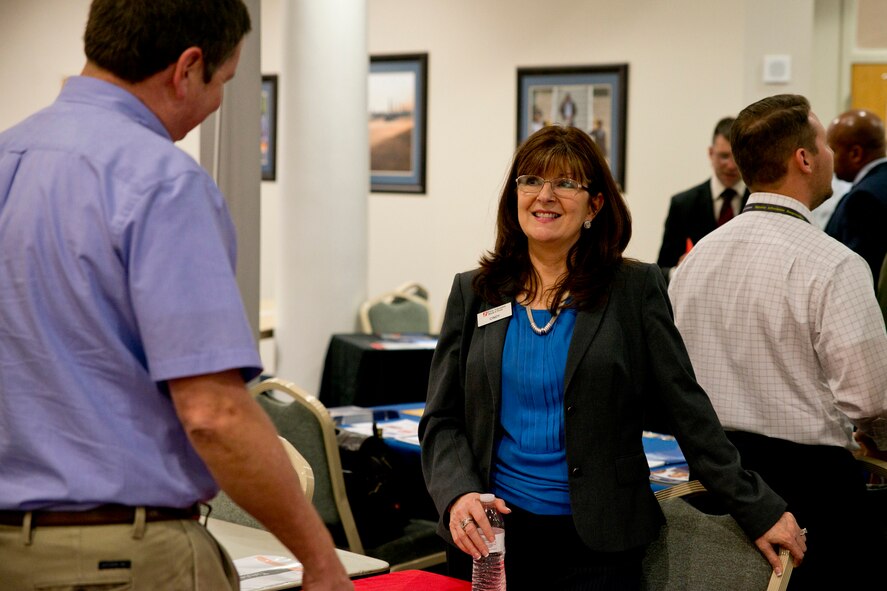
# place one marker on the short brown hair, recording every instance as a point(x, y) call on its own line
point(767, 133)
point(723, 129)
point(592, 261)
point(135, 39)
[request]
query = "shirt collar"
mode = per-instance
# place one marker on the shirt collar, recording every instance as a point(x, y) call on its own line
point(782, 200)
point(102, 94)
point(867, 168)
point(717, 187)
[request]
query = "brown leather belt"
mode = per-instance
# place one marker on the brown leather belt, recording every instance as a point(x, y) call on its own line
point(101, 515)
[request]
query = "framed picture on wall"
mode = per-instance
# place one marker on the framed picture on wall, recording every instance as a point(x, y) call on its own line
point(397, 103)
point(269, 128)
point(592, 98)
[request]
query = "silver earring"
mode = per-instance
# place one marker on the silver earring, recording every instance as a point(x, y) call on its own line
point(586, 224)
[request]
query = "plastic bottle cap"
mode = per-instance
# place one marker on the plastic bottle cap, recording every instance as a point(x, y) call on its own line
point(487, 498)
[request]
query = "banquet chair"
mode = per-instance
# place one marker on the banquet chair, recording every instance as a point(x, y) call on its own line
point(873, 466)
point(396, 312)
point(700, 552)
point(413, 288)
point(306, 422)
point(222, 507)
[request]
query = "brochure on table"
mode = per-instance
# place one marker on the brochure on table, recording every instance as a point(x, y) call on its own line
point(267, 573)
point(404, 430)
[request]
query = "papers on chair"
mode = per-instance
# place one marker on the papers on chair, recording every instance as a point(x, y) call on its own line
point(662, 448)
point(670, 474)
point(264, 573)
point(405, 430)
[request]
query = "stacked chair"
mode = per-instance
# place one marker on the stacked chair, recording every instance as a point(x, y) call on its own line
point(222, 507)
point(306, 423)
point(403, 310)
point(699, 552)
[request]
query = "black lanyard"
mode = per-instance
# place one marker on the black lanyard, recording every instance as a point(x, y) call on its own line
point(774, 209)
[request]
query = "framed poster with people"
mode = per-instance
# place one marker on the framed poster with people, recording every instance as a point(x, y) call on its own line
point(592, 98)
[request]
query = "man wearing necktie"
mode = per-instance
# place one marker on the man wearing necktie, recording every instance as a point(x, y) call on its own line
point(727, 212)
point(699, 210)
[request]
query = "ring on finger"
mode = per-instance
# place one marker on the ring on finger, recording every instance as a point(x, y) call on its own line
point(464, 523)
point(804, 531)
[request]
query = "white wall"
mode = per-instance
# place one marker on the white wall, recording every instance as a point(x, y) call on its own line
point(272, 57)
point(41, 44)
point(690, 63)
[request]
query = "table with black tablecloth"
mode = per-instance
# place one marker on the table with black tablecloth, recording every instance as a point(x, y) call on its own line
point(369, 370)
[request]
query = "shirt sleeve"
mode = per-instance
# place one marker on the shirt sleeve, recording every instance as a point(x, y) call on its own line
point(851, 345)
point(179, 249)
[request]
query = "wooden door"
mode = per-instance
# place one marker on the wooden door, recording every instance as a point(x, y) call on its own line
point(868, 88)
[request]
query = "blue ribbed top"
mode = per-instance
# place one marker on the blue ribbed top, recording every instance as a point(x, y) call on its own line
point(530, 469)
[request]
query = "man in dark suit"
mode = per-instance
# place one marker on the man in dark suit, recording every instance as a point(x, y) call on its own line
point(860, 220)
point(699, 210)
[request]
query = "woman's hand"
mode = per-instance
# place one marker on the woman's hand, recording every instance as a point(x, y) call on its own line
point(785, 533)
point(469, 524)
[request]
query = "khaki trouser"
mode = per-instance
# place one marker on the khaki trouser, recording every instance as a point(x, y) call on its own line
point(159, 555)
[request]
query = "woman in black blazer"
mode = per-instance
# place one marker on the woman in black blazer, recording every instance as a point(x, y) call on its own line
point(548, 355)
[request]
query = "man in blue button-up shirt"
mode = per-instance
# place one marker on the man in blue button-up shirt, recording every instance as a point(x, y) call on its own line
point(124, 346)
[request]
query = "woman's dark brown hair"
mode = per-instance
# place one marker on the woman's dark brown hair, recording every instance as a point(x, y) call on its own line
point(507, 271)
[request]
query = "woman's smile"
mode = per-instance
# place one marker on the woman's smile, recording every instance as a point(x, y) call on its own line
point(546, 216)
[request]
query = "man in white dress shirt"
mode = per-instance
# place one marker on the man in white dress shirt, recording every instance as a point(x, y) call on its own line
point(786, 336)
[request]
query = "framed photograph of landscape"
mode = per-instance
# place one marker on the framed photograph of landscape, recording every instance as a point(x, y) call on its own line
point(269, 128)
point(592, 98)
point(397, 103)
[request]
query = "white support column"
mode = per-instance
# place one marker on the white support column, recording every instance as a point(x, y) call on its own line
point(228, 150)
point(324, 182)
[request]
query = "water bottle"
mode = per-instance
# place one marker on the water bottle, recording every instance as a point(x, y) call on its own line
point(488, 573)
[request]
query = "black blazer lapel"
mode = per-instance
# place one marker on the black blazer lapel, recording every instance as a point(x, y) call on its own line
point(494, 341)
point(587, 326)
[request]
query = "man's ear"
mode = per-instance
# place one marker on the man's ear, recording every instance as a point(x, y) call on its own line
point(803, 159)
point(855, 153)
point(188, 70)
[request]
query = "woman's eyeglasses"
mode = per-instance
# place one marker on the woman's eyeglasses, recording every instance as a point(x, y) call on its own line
point(530, 184)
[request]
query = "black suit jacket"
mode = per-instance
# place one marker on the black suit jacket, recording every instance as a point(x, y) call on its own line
point(622, 354)
point(690, 215)
point(860, 219)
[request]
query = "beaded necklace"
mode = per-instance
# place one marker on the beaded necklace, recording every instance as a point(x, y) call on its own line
point(547, 328)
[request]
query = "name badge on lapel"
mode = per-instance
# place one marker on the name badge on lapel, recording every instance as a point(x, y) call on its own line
point(493, 314)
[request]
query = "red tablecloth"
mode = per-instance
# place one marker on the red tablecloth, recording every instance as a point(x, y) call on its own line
point(411, 580)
